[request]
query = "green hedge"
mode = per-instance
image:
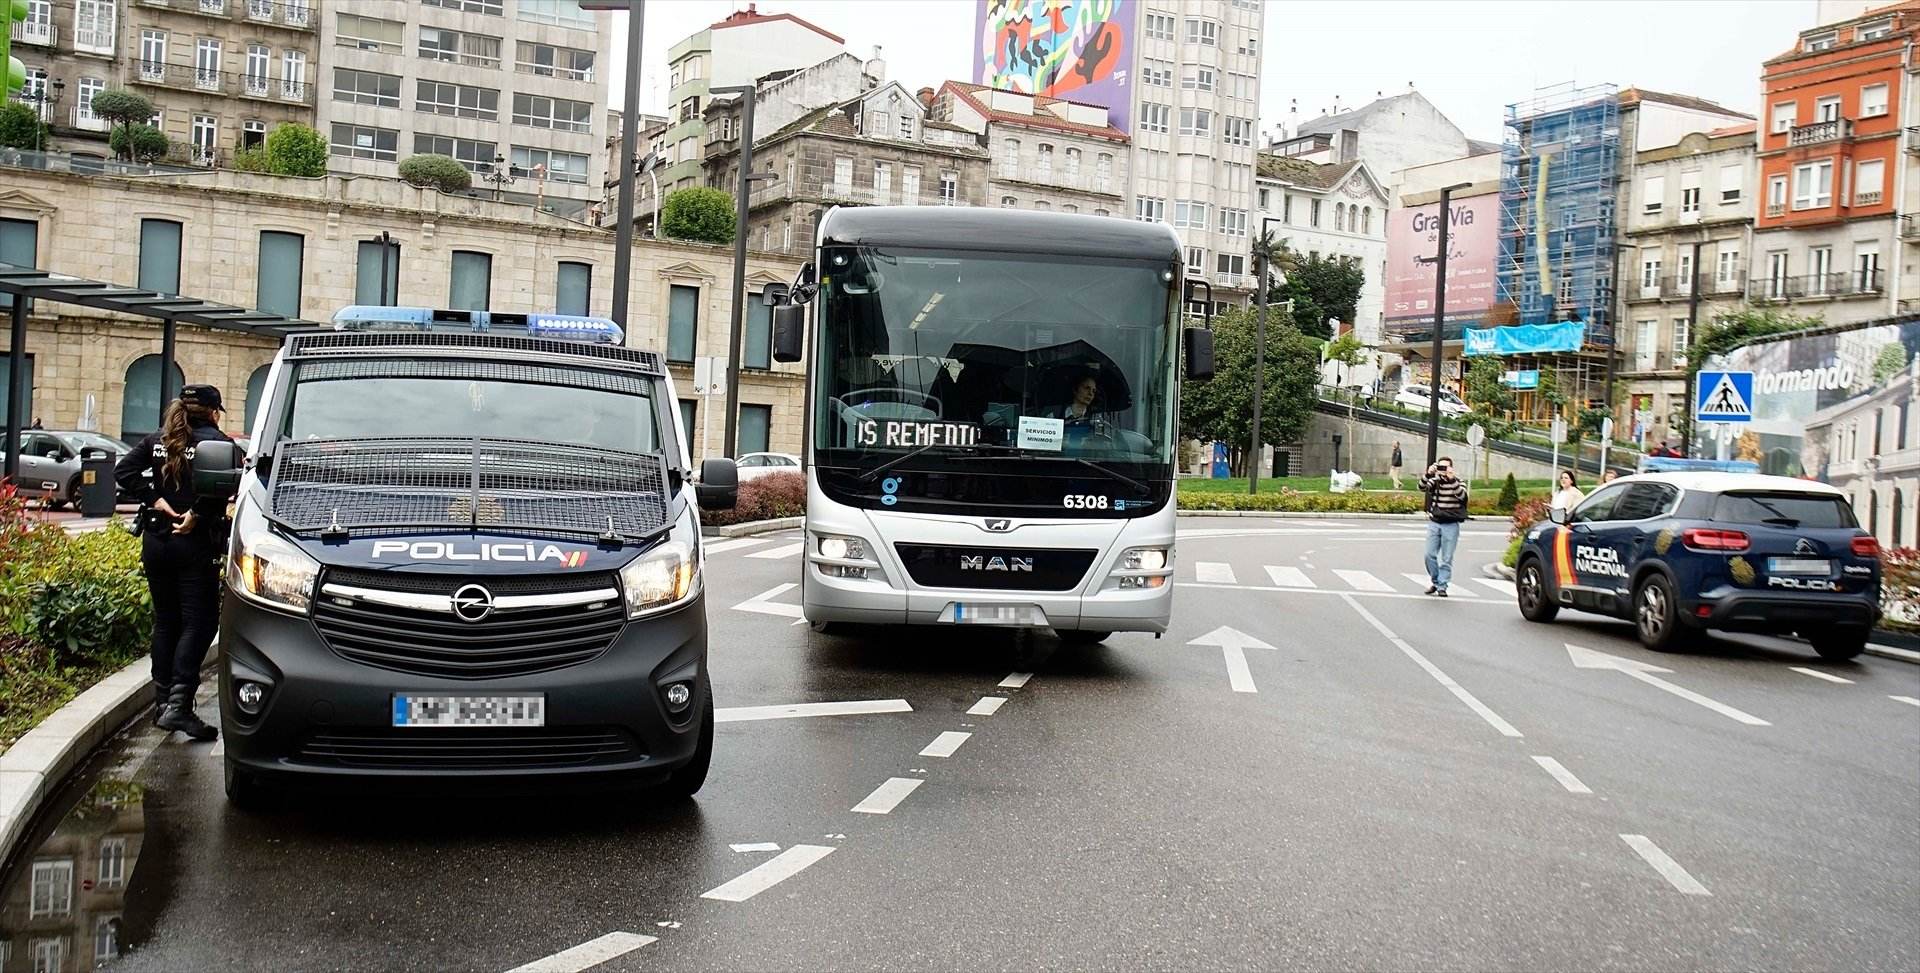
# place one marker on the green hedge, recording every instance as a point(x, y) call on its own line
point(1297, 501)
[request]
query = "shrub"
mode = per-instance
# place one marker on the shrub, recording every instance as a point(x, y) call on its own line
point(139, 143)
point(20, 127)
point(436, 172)
point(1512, 557)
point(763, 498)
point(1528, 512)
point(1509, 495)
point(296, 150)
point(699, 213)
point(1900, 589)
point(250, 160)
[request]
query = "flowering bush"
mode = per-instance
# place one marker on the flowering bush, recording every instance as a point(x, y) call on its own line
point(1900, 589)
point(765, 497)
point(1527, 513)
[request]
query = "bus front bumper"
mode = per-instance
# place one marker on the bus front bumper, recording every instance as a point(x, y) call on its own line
point(827, 598)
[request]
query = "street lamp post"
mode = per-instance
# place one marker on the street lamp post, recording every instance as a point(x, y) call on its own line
point(629, 133)
point(44, 99)
point(499, 175)
point(648, 165)
point(1439, 261)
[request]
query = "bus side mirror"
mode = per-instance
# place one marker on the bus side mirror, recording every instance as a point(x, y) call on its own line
point(719, 486)
point(789, 332)
point(216, 468)
point(1197, 343)
point(775, 295)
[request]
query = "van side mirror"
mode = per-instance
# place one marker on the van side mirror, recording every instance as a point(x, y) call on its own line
point(1197, 344)
point(789, 332)
point(775, 295)
point(216, 468)
point(719, 486)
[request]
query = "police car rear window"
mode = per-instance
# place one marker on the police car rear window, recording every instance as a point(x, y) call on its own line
point(1784, 509)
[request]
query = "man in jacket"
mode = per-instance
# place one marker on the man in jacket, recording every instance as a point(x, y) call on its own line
point(1446, 508)
point(1394, 464)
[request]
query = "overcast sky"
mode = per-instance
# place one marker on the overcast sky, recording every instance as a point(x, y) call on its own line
point(1470, 57)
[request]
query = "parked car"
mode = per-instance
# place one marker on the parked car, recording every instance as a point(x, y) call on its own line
point(50, 460)
point(1420, 397)
point(760, 464)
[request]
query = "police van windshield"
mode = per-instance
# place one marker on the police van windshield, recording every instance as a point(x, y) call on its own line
point(472, 399)
point(1050, 355)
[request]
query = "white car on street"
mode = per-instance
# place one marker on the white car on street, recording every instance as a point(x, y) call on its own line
point(1418, 397)
point(754, 465)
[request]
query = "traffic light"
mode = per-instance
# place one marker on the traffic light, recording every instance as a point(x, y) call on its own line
point(11, 12)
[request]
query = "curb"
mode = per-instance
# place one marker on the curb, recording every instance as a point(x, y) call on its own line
point(753, 527)
point(1889, 652)
point(38, 763)
point(1497, 570)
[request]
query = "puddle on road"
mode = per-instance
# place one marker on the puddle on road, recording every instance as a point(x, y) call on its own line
point(76, 897)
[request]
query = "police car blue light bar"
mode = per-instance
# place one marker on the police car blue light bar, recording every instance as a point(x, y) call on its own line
point(569, 327)
point(557, 327)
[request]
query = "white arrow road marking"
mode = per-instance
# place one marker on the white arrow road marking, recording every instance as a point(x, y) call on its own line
point(1214, 572)
point(1664, 864)
point(887, 796)
point(769, 873)
point(1561, 774)
point(785, 550)
point(1233, 644)
point(789, 711)
point(945, 744)
point(1287, 576)
point(1589, 659)
point(756, 846)
point(1909, 700)
point(1015, 680)
point(1459, 692)
point(589, 954)
point(987, 706)
point(1362, 580)
point(763, 602)
point(1817, 674)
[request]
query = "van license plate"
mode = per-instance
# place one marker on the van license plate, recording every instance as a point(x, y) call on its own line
point(1799, 565)
point(413, 710)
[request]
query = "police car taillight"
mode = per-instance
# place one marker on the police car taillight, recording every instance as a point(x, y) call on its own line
point(558, 327)
point(1866, 546)
point(1711, 539)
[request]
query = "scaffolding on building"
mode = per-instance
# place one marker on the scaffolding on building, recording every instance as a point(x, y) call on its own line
point(1559, 176)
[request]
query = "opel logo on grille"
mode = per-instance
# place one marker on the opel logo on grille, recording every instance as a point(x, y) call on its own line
point(472, 603)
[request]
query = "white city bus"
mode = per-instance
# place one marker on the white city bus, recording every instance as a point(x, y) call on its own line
point(993, 402)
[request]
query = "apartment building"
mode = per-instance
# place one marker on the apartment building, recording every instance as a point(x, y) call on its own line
point(70, 49)
point(1048, 153)
point(220, 73)
point(1830, 146)
point(742, 49)
point(1390, 133)
point(515, 90)
point(1325, 210)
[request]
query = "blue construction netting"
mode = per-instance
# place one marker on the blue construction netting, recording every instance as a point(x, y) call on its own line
point(1557, 190)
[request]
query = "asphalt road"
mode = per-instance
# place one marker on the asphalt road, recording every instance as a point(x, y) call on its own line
point(1392, 781)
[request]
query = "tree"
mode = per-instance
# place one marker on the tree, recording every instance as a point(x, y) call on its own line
point(21, 127)
point(1486, 393)
point(1509, 495)
point(296, 150)
point(251, 159)
point(1347, 352)
point(436, 172)
point(1548, 391)
point(1222, 408)
point(698, 213)
point(1323, 287)
point(125, 109)
point(1891, 361)
point(139, 143)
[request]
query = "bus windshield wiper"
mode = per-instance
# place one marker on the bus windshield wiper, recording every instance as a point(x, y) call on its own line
point(1115, 474)
point(873, 474)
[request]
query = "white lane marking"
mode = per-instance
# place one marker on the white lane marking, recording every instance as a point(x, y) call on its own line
point(1233, 644)
point(789, 711)
point(1589, 659)
point(1327, 591)
point(589, 954)
point(1015, 680)
point(1422, 581)
point(1460, 692)
point(1909, 700)
point(1288, 576)
point(1664, 864)
point(1362, 580)
point(756, 846)
point(764, 604)
point(784, 550)
point(945, 744)
point(1214, 572)
point(721, 547)
point(1501, 585)
point(769, 873)
point(1817, 674)
point(888, 796)
point(1562, 774)
point(219, 748)
point(987, 706)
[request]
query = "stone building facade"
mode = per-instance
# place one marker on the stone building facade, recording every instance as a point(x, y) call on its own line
point(309, 246)
point(1048, 153)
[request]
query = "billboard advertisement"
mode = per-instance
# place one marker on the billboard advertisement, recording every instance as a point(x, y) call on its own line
point(1079, 50)
point(1835, 407)
point(1473, 252)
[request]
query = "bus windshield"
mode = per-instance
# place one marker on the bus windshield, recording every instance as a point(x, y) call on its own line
point(969, 352)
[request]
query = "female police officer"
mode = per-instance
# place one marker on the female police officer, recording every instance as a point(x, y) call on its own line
point(182, 534)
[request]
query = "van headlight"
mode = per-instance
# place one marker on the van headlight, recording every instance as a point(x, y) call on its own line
point(268, 569)
point(666, 576)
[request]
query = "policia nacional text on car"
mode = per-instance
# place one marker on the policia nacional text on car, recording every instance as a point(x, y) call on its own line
point(183, 536)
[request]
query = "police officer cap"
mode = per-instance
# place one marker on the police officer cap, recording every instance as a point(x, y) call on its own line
point(205, 396)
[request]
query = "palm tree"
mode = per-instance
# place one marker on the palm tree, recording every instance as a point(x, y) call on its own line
point(1270, 254)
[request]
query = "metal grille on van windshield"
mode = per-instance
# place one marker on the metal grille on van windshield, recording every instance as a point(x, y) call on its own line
point(360, 485)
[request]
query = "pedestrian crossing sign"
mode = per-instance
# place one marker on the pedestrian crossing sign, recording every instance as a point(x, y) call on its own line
point(1723, 397)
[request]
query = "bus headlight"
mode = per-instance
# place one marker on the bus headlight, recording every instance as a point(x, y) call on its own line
point(1143, 567)
point(1144, 559)
point(665, 577)
point(266, 568)
point(842, 548)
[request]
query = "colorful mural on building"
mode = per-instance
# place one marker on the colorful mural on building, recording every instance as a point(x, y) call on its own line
point(1080, 50)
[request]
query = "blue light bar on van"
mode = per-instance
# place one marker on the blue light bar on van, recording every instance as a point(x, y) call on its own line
point(558, 327)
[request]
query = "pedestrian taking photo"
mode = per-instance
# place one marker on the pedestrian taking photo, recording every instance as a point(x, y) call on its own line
point(181, 539)
point(1446, 508)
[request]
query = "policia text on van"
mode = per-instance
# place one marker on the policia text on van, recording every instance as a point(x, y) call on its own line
point(467, 547)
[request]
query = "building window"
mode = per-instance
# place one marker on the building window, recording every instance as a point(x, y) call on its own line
point(1822, 41)
point(1231, 265)
point(1731, 179)
point(1233, 222)
point(1783, 116)
point(1149, 209)
point(1646, 351)
point(842, 175)
point(258, 56)
point(470, 281)
point(906, 128)
point(1043, 162)
point(1159, 27)
point(1366, 221)
point(555, 113)
point(1196, 260)
point(1650, 275)
point(756, 421)
point(756, 349)
point(1202, 32)
point(689, 413)
point(1069, 208)
point(1866, 269)
point(1189, 214)
point(1690, 200)
point(153, 54)
point(160, 257)
point(457, 100)
point(882, 181)
point(1250, 45)
point(1653, 194)
point(52, 892)
point(1237, 131)
point(1777, 274)
point(206, 63)
point(683, 321)
point(293, 75)
point(368, 33)
point(473, 50)
point(1682, 328)
point(365, 142)
point(1873, 101)
point(113, 862)
point(567, 167)
point(367, 88)
point(1826, 109)
point(1073, 164)
point(1873, 31)
point(689, 108)
point(1313, 215)
point(95, 25)
point(1008, 202)
point(566, 13)
point(910, 185)
point(551, 61)
point(1196, 121)
point(1868, 181)
point(1727, 268)
point(1683, 279)
point(1154, 118)
point(1103, 168)
point(1339, 216)
point(1009, 158)
point(1776, 195)
point(1813, 185)
point(277, 282)
point(467, 6)
point(476, 156)
point(366, 275)
point(949, 189)
point(205, 135)
point(1196, 78)
point(1156, 73)
point(1819, 269)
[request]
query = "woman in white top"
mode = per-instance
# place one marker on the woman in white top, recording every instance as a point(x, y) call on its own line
point(1566, 494)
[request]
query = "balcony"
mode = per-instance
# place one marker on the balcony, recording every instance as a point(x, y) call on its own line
point(1913, 140)
point(1867, 199)
point(1836, 130)
point(1909, 228)
point(88, 123)
point(28, 32)
point(1776, 210)
point(294, 14)
point(1856, 283)
point(187, 77)
point(783, 190)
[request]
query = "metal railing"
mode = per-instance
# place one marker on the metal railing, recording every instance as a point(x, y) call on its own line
point(1841, 284)
point(1776, 210)
point(1913, 139)
point(1828, 131)
point(1867, 199)
point(86, 165)
point(187, 76)
point(783, 190)
point(553, 71)
point(1909, 227)
point(297, 14)
point(28, 32)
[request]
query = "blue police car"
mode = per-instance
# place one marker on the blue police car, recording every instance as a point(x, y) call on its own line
point(1679, 553)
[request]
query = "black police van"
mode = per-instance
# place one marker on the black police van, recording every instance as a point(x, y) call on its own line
point(1679, 553)
point(467, 546)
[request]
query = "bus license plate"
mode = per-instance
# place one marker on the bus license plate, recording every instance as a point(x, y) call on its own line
point(415, 710)
point(1799, 565)
point(965, 614)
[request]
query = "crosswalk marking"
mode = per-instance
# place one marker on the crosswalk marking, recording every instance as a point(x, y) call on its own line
point(737, 543)
point(1362, 580)
point(1498, 584)
point(784, 550)
point(1287, 576)
point(1421, 581)
point(1213, 572)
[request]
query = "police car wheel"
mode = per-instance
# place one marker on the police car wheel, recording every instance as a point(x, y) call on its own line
point(246, 791)
point(687, 781)
point(1655, 615)
point(1531, 584)
point(1839, 646)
